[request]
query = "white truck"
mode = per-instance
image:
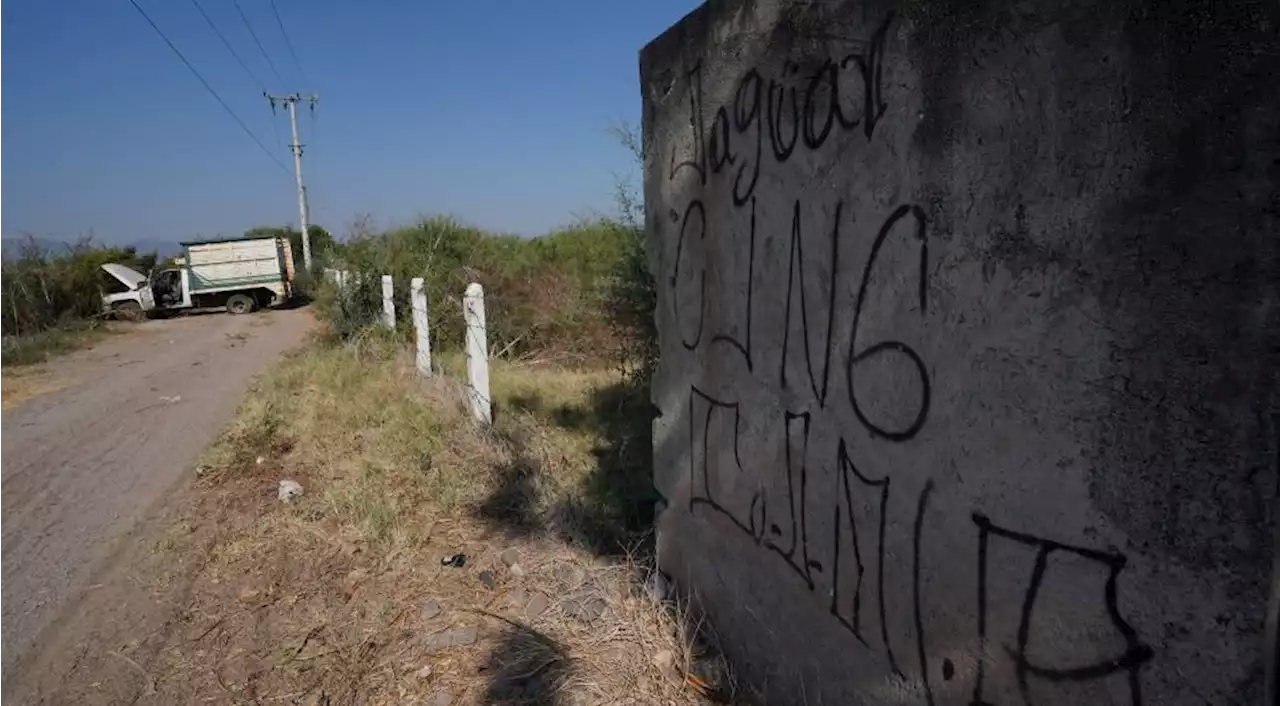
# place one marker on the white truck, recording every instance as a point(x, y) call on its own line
point(238, 274)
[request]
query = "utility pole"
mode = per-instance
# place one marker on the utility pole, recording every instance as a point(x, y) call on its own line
point(291, 102)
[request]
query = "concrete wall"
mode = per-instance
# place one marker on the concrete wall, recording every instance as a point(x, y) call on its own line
point(969, 333)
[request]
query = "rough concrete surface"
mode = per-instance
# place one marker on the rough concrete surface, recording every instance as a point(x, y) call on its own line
point(83, 464)
point(969, 319)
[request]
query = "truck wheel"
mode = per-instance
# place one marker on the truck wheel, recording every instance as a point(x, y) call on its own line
point(127, 311)
point(240, 304)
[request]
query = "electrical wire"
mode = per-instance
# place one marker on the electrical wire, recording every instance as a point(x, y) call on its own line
point(261, 84)
point(275, 130)
point(257, 41)
point(288, 44)
point(207, 87)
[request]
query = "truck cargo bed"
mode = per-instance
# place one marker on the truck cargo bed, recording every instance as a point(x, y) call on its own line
point(236, 264)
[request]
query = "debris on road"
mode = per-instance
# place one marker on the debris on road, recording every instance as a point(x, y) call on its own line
point(289, 490)
point(457, 561)
point(486, 578)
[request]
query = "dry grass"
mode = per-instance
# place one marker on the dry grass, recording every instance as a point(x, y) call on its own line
point(26, 374)
point(39, 347)
point(337, 597)
point(19, 384)
point(26, 359)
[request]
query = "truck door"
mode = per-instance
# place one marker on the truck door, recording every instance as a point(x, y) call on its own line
point(146, 297)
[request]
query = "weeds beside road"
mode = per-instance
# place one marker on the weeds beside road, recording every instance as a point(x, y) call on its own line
point(58, 289)
point(24, 376)
point(341, 597)
point(39, 347)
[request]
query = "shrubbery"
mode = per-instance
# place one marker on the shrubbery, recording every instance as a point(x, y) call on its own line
point(44, 289)
point(578, 293)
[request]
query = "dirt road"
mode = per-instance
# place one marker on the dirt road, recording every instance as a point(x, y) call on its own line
point(84, 463)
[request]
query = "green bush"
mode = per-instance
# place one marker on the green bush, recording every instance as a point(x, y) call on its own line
point(583, 292)
point(45, 290)
point(543, 295)
point(355, 305)
point(632, 298)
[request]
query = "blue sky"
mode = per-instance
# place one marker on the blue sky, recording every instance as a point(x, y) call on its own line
point(495, 111)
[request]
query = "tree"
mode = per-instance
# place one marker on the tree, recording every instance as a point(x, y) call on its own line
point(321, 241)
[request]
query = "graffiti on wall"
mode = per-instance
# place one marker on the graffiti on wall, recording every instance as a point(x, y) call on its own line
point(769, 120)
point(1129, 661)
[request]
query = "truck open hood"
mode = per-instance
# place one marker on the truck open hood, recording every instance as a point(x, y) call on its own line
point(128, 276)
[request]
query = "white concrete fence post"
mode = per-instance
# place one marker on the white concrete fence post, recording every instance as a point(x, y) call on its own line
point(419, 296)
point(388, 302)
point(477, 353)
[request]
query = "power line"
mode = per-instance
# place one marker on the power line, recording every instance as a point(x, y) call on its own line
point(207, 87)
point(261, 84)
point(257, 41)
point(275, 130)
point(228, 45)
point(288, 44)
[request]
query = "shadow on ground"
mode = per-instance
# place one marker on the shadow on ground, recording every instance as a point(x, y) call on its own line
point(512, 506)
point(608, 512)
point(611, 512)
point(297, 302)
point(527, 667)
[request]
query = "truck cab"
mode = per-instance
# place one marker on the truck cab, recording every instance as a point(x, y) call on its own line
point(167, 287)
point(128, 292)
